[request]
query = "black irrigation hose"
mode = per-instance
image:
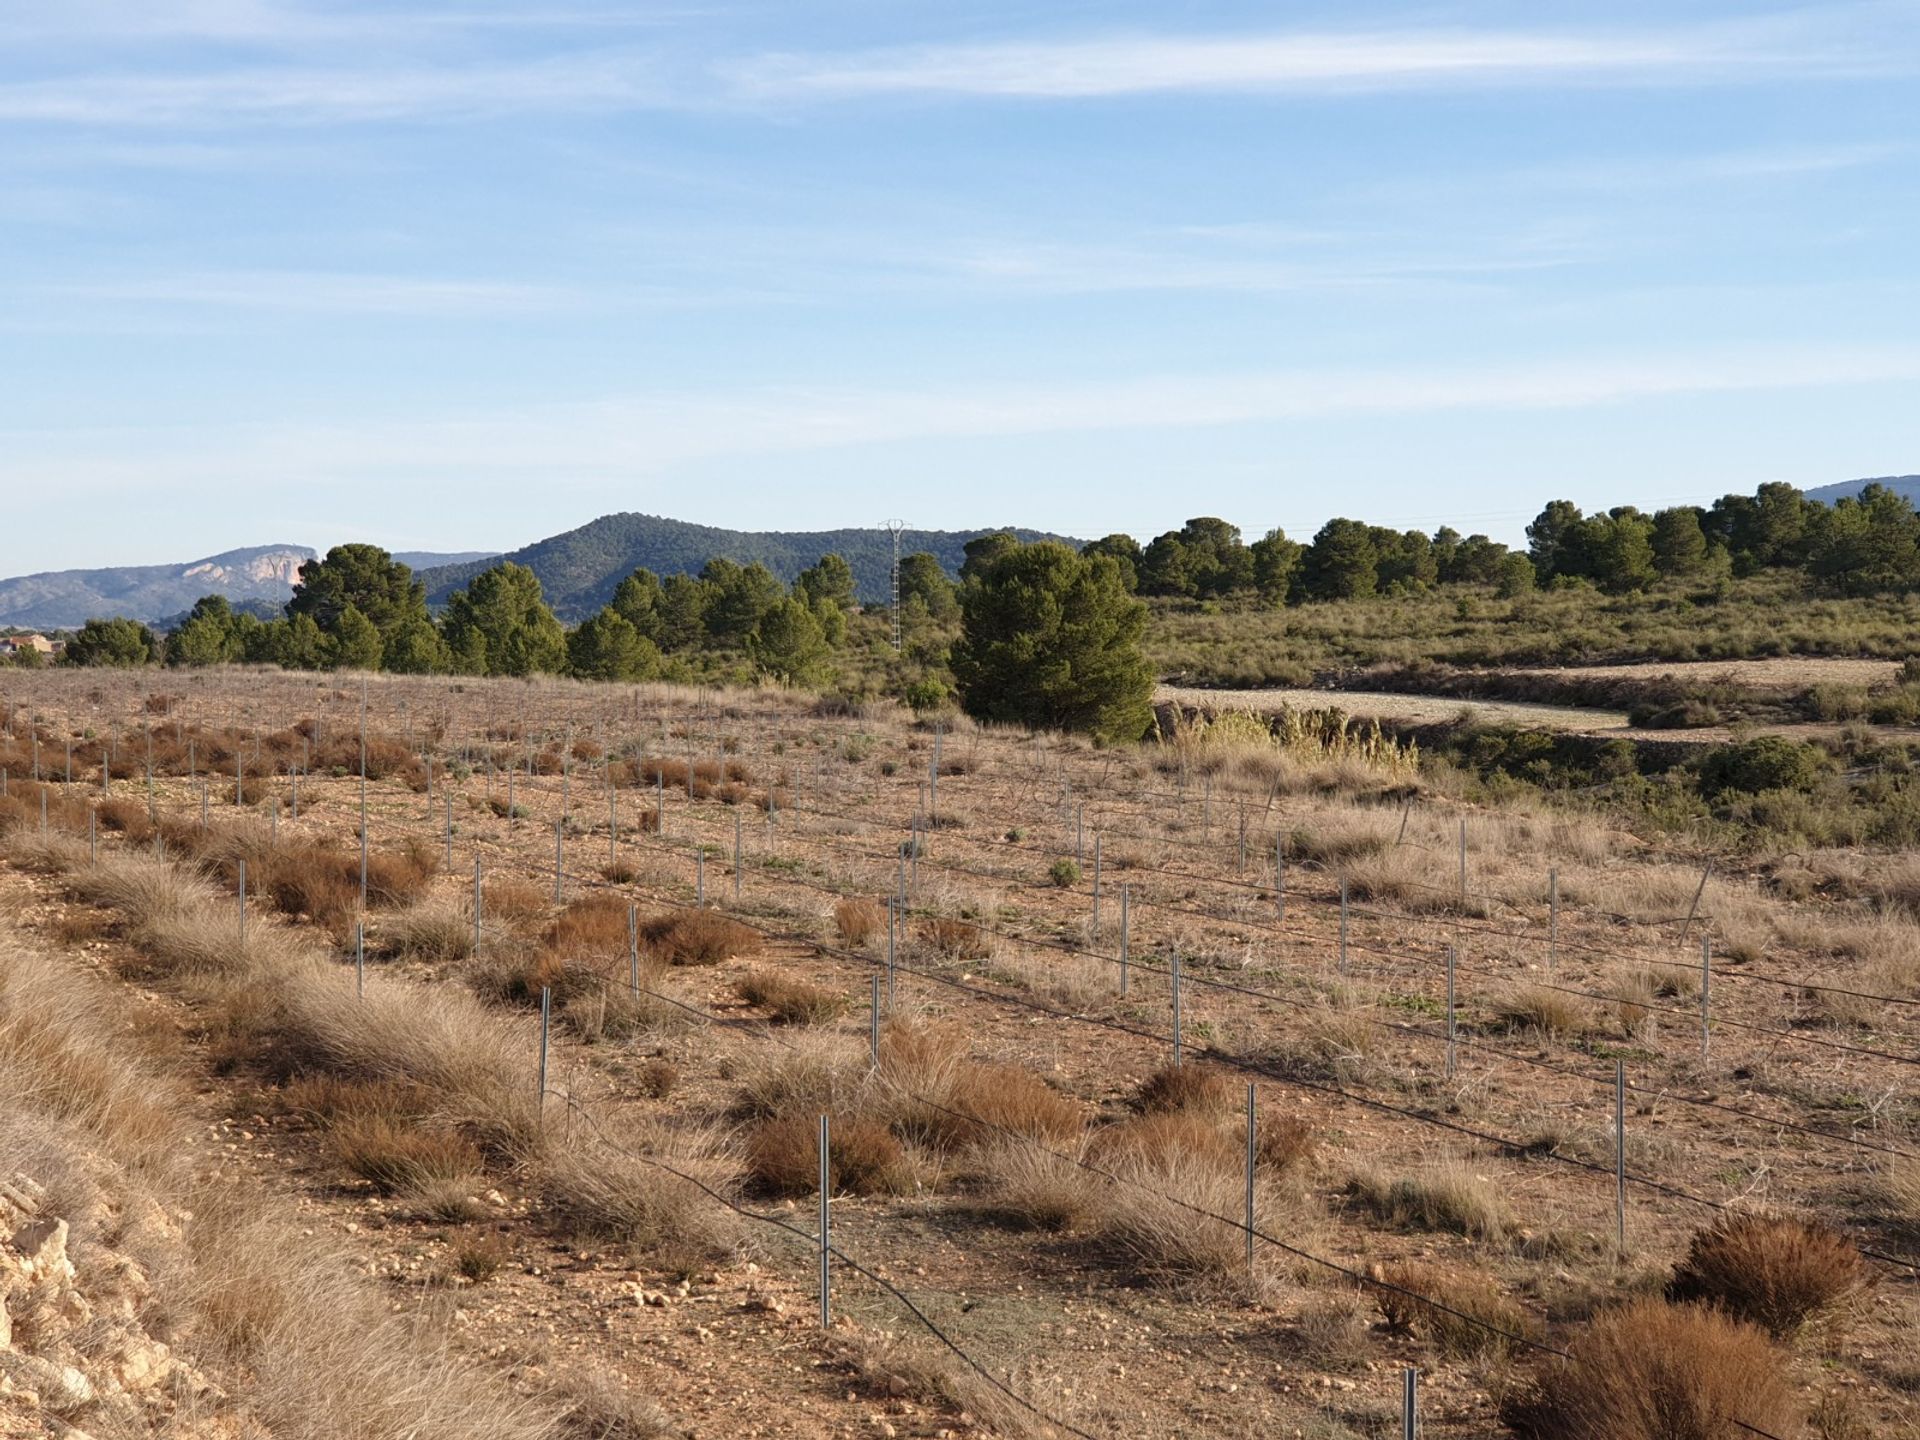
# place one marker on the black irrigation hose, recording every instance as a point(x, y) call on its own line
point(1387, 916)
point(845, 1259)
point(1244, 1063)
point(1404, 1029)
point(1238, 1062)
point(1793, 1036)
point(574, 1107)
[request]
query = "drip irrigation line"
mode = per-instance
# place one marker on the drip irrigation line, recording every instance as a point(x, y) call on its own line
point(1792, 1036)
point(1238, 1062)
point(845, 1259)
point(1390, 917)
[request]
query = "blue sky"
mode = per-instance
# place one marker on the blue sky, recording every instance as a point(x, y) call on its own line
point(464, 276)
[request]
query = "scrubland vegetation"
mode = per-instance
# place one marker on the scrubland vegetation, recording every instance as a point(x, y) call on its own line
point(1014, 1146)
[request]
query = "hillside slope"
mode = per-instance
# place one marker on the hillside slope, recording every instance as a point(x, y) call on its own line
point(1907, 485)
point(579, 569)
point(62, 598)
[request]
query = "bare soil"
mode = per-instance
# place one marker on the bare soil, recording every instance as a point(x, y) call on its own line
point(1784, 1109)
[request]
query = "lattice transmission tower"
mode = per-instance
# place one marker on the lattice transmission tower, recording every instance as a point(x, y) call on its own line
point(894, 527)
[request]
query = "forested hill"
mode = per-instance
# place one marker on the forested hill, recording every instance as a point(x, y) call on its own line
point(1907, 485)
point(579, 569)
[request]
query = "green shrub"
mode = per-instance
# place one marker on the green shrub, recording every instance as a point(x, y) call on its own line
point(1767, 762)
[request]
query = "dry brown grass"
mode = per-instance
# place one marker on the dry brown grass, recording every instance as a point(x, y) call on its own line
point(61, 1049)
point(505, 900)
point(648, 1195)
point(433, 931)
point(789, 999)
point(1285, 1144)
point(1635, 994)
point(698, 937)
point(253, 1295)
point(396, 1156)
point(1335, 1043)
point(322, 882)
point(1479, 1320)
point(1341, 837)
point(1076, 983)
point(858, 921)
point(1201, 1089)
point(1412, 882)
point(1654, 1371)
point(595, 924)
point(1175, 1204)
point(863, 1156)
point(1445, 1194)
point(956, 939)
point(126, 817)
point(1771, 1271)
point(1540, 1010)
point(325, 1099)
point(817, 1071)
point(1899, 1192)
point(932, 1092)
point(1037, 1184)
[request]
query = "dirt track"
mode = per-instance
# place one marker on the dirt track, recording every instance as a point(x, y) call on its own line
point(1571, 719)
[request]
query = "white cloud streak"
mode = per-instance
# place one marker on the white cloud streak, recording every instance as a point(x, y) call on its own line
point(1299, 62)
point(415, 79)
point(653, 434)
point(323, 292)
point(301, 96)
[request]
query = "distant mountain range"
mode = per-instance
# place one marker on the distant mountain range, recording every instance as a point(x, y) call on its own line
point(418, 560)
point(1907, 485)
point(578, 570)
point(255, 578)
point(60, 598)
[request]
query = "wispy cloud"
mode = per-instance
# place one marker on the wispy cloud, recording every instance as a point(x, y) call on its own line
point(320, 291)
point(297, 95)
point(314, 65)
point(651, 434)
point(1301, 61)
point(274, 23)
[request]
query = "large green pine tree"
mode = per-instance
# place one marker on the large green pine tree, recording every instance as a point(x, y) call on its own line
point(1051, 638)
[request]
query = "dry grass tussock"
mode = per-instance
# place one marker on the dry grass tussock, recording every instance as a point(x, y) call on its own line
point(864, 1157)
point(1412, 881)
point(858, 921)
point(1478, 1319)
point(305, 1012)
point(1175, 1204)
point(930, 1091)
point(1444, 1194)
point(1771, 1271)
point(698, 937)
point(1076, 983)
point(1202, 1089)
point(956, 939)
point(650, 1192)
point(1040, 1185)
point(248, 1294)
point(434, 931)
point(1655, 1371)
point(789, 999)
point(1335, 1043)
point(63, 1052)
point(1899, 1192)
point(1541, 1010)
point(595, 924)
point(1339, 838)
point(474, 1062)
